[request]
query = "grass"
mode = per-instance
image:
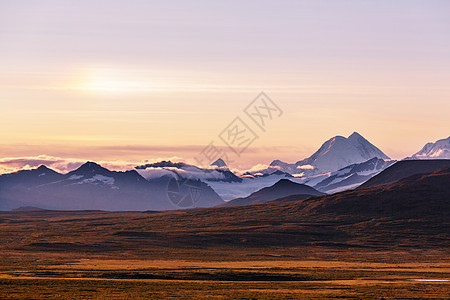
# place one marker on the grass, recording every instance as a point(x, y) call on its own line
point(206, 255)
point(147, 279)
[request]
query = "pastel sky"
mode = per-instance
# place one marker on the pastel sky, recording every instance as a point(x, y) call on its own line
point(133, 80)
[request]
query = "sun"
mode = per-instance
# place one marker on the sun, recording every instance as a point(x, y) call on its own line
point(108, 80)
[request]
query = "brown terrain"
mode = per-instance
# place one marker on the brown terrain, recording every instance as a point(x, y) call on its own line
point(388, 241)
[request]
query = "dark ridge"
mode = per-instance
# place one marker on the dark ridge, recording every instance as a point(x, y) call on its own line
point(282, 188)
point(405, 168)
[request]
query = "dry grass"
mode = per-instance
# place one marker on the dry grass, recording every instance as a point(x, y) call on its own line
point(200, 255)
point(118, 279)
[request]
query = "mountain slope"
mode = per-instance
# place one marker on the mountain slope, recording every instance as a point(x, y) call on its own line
point(403, 169)
point(418, 195)
point(424, 195)
point(282, 188)
point(339, 152)
point(35, 177)
point(352, 176)
point(219, 163)
point(249, 184)
point(437, 150)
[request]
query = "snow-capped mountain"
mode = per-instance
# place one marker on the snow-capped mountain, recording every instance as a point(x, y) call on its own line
point(296, 169)
point(218, 172)
point(93, 187)
point(94, 174)
point(29, 178)
point(339, 152)
point(224, 182)
point(352, 176)
point(437, 150)
point(336, 153)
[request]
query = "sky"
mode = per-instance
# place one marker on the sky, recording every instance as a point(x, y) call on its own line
point(134, 81)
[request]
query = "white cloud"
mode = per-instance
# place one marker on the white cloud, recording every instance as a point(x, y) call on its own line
point(65, 165)
point(306, 167)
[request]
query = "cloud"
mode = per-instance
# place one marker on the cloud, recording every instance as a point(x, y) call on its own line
point(12, 164)
point(306, 167)
point(183, 172)
point(152, 173)
point(65, 165)
point(255, 168)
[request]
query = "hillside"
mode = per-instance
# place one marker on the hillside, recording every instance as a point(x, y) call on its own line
point(410, 213)
point(405, 168)
point(283, 188)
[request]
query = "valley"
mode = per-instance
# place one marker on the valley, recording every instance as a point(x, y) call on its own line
point(321, 247)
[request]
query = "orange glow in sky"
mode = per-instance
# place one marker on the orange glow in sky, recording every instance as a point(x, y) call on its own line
point(135, 80)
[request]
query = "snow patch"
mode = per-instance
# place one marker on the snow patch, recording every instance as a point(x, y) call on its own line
point(439, 149)
point(343, 188)
point(99, 179)
point(430, 280)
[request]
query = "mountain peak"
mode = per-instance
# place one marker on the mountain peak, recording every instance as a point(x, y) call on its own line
point(91, 165)
point(355, 135)
point(437, 150)
point(358, 140)
point(285, 182)
point(90, 168)
point(339, 152)
point(219, 163)
point(282, 188)
point(276, 162)
point(42, 168)
point(162, 164)
point(334, 154)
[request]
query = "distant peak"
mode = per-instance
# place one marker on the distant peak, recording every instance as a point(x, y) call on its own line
point(276, 163)
point(42, 168)
point(219, 163)
point(162, 164)
point(355, 135)
point(284, 182)
point(90, 167)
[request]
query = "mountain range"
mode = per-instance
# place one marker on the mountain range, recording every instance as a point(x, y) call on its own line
point(409, 215)
point(287, 191)
point(421, 195)
point(167, 185)
point(92, 187)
